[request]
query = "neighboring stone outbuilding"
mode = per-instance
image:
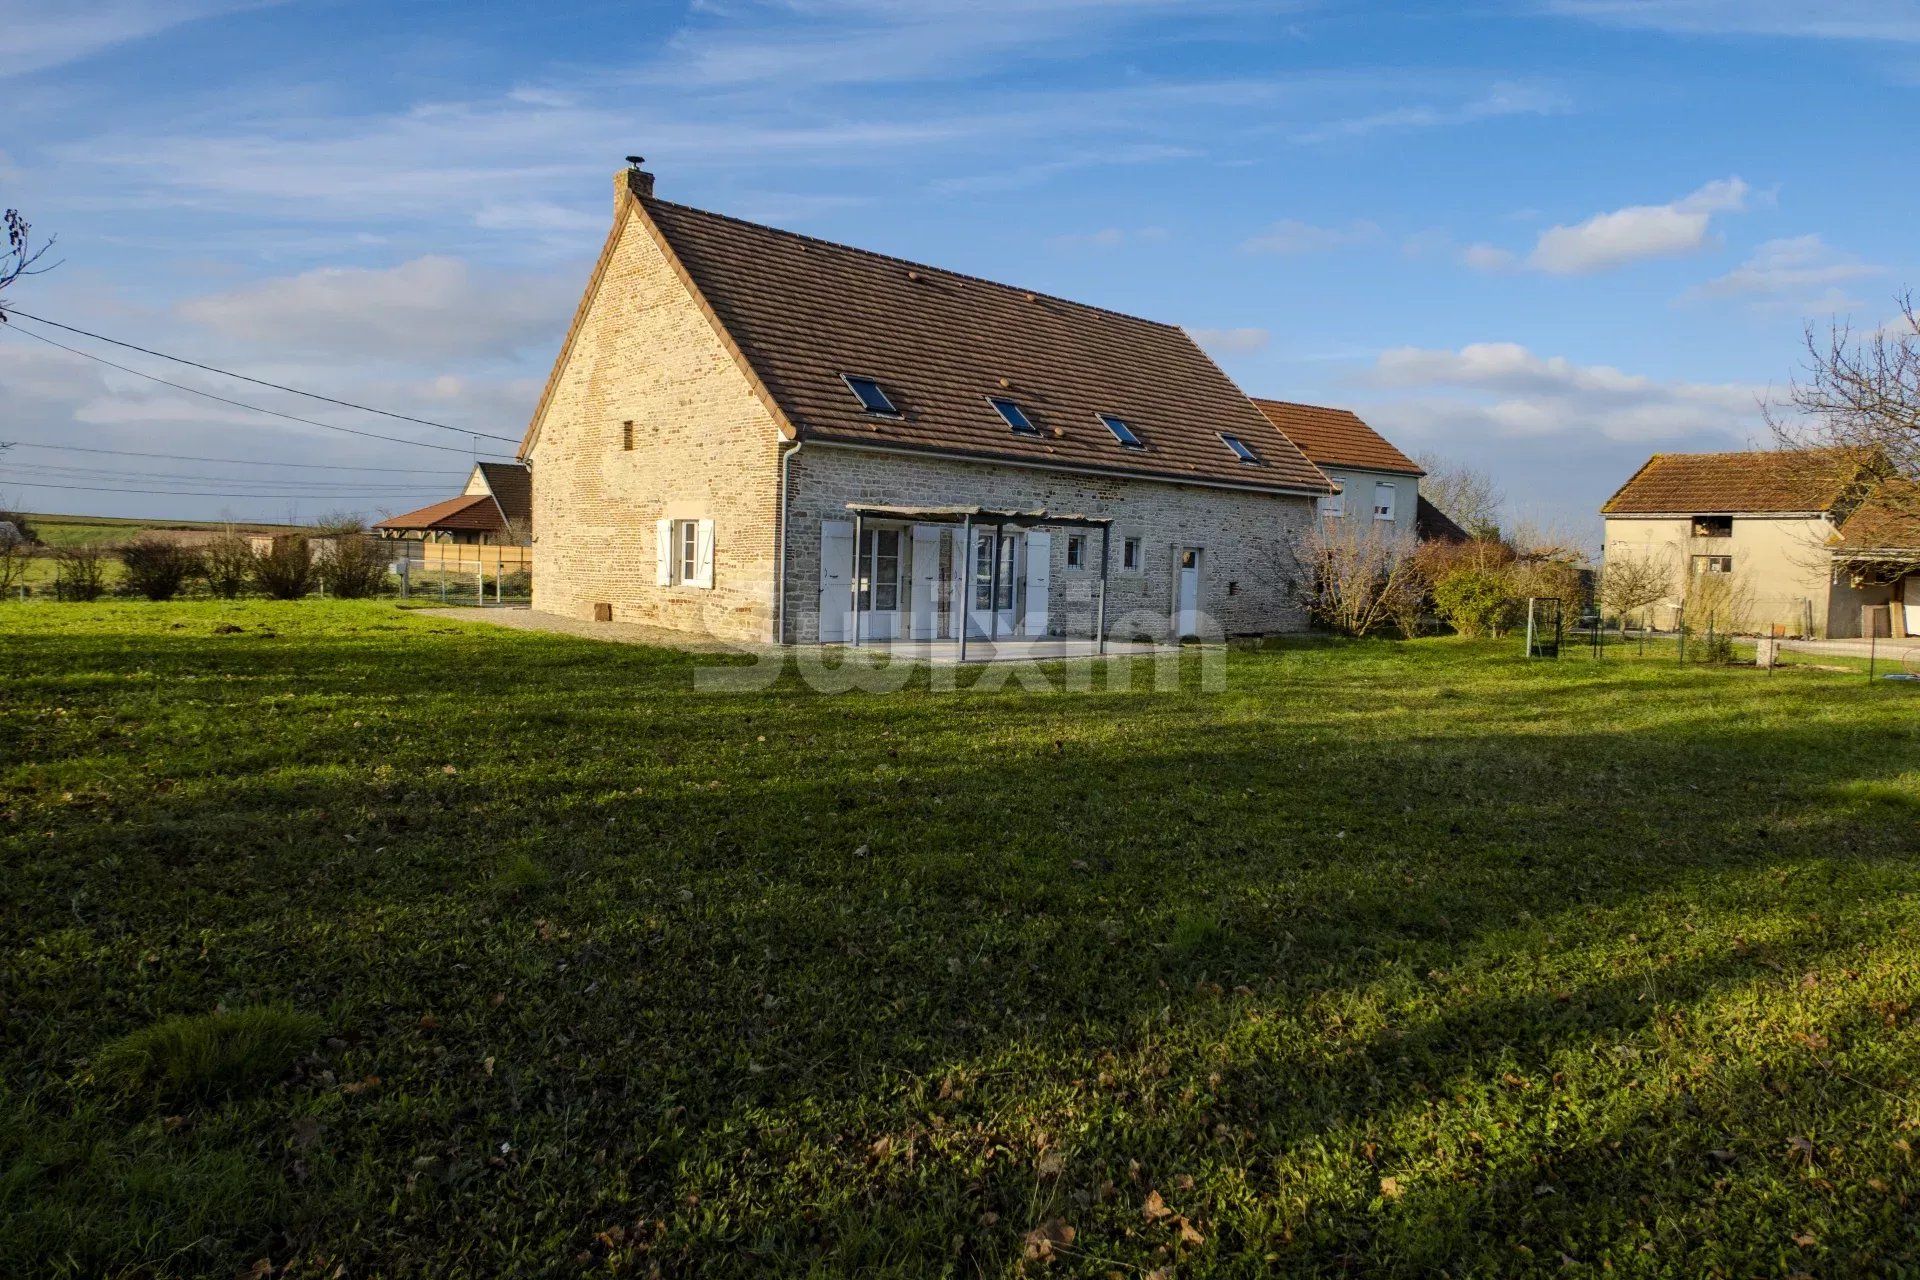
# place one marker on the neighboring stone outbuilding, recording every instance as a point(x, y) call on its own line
point(757, 435)
point(1803, 542)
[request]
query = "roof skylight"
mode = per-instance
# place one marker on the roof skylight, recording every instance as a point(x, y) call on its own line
point(1240, 449)
point(1121, 431)
point(1014, 415)
point(871, 396)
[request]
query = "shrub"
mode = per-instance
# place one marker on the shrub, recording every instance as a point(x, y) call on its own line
point(1354, 578)
point(80, 572)
point(227, 563)
point(355, 564)
point(207, 1054)
point(158, 567)
point(1476, 601)
point(285, 569)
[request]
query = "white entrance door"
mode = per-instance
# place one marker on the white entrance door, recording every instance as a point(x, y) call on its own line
point(1910, 601)
point(996, 601)
point(1186, 609)
point(836, 581)
point(879, 582)
point(1039, 565)
point(923, 604)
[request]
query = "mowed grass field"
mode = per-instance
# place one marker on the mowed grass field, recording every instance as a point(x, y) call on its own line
point(508, 954)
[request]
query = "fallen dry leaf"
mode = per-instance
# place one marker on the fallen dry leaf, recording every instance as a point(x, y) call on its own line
point(1155, 1208)
point(1390, 1188)
point(1187, 1233)
point(1048, 1236)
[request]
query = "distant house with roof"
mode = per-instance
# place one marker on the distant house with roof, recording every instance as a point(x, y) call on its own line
point(1817, 542)
point(1378, 483)
point(495, 509)
point(760, 435)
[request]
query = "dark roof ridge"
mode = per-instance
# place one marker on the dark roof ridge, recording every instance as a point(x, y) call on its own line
point(911, 265)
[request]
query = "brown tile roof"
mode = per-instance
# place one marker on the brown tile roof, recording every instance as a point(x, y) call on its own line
point(512, 486)
point(802, 312)
point(475, 512)
point(1336, 437)
point(1887, 519)
point(1771, 480)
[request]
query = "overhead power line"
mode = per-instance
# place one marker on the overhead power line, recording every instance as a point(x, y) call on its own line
point(110, 473)
point(186, 493)
point(260, 382)
point(238, 404)
point(243, 462)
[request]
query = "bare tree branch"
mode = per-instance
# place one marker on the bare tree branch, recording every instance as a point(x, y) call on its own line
point(21, 258)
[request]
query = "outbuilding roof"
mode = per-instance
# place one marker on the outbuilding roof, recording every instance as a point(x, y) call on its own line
point(511, 484)
point(474, 512)
point(1766, 481)
point(1336, 437)
point(803, 315)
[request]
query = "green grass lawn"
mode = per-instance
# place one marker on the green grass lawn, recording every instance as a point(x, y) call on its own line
point(363, 939)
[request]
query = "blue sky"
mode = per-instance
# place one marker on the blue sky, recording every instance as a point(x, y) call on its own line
point(1543, 237)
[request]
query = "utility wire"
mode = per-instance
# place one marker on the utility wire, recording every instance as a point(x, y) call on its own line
point(82, 473)
point(244, 462)
point(239, 404)
point(185, 493)
point(313, 395)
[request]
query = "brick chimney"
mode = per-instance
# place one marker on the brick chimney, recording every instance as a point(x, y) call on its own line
point(632, 178)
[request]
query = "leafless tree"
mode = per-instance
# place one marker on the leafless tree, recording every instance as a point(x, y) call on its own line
point(21, 258)
point(1471, 498)
point(1858, 402)
point(1356, 581)
point(1632, 582)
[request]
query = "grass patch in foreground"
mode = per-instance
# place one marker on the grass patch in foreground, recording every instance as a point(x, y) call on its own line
point(204, 1055)
point(1387, 959)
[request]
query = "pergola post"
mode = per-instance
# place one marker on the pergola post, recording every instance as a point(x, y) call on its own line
point(855, 579)
point(1100, 615)
point(964, 568)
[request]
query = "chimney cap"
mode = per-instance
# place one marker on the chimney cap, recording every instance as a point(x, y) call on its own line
point(636, 161)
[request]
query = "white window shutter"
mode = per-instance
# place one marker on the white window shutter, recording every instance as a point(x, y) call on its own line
point(703, 555)
point(1039, 579)
point(663, 546)
point(836, 580)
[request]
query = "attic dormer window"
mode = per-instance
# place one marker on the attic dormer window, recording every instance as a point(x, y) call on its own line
point(1014, 415)
point(1240, 449)
point(872, 398)
point(1121, 431)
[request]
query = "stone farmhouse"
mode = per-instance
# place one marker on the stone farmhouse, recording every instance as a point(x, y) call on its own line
point(1808, 542)
point(761, 436)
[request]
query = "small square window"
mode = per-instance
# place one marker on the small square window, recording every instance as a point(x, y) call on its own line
point(1130, 555)
point(1712, 564)
point(1240, 449)
point(1121, 431)
point(871, 396)
point(1383, 501)
point(626, 435)
point(1076, 551)
point(1014, 415)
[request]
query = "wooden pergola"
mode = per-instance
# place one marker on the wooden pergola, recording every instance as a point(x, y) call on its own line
point(969, 518)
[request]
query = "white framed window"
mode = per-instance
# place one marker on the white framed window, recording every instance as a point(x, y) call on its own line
point(879, 570)
point(1712, 564)
point(1130, 559)
point(1076, 551)
point(1384, 495)
point(685, 550)
point(1334, 505)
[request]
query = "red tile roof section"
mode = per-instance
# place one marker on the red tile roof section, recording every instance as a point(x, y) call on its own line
point(1336, 437)
point(472, 512)
point(802, 312)
point(1762, 481)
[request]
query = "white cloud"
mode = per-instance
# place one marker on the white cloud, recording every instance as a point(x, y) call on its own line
point(1805, 268)
point(432, 308)
point(1504, 389)
point(1882, 20)
point(40, 35)
point(1289, 236)
point(1634, 234)
point(1488, 257)
point(1231, 342)
point(1109, 238)
point(1503, 99)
